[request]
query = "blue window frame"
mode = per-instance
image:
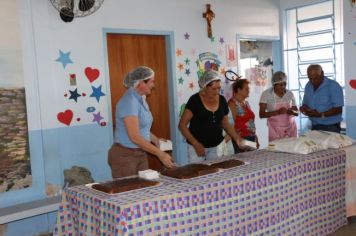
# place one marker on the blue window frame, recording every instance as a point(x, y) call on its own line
point(312, 34)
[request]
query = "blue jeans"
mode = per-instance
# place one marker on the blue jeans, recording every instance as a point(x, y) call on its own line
point(210, 154)
point(332, 128)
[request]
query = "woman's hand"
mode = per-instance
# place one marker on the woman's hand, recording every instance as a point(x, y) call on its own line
point(199, 149)
point(312, 113)
point(239, 143)
point(166, 159)
point(154, 140)
point(282, 110)
point(303, 108)
point(292, 112)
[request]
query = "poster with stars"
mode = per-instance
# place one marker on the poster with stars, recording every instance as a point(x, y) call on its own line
point(193, 59)
point(83, 93)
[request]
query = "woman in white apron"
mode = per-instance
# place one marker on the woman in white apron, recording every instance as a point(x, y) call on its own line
point(277, 104)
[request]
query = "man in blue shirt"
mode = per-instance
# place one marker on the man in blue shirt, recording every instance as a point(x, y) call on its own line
point(323, 101)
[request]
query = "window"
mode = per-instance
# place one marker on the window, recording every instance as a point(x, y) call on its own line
point(313, 34)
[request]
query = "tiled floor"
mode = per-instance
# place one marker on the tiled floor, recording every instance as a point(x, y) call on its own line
point(347, 230)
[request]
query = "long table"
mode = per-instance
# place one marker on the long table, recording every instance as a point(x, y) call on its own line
point(275, 194)
point(350, 180)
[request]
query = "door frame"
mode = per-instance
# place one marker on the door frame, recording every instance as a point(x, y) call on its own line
point(276, 48)
point(172, 86)
point(261, 124)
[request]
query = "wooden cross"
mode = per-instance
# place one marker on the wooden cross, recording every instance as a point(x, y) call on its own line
point(209, 15)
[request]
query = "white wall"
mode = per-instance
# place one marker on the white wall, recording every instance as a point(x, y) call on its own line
point(55, 146)
point(84, 39)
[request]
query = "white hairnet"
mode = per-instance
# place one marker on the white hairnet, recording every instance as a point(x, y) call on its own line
point(138, 74)
point(279, 77)
point(207, 77)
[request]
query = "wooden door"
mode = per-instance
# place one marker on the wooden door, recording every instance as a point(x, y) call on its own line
point(127, 51)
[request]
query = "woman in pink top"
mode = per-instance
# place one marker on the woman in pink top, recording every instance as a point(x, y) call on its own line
point(277, 104)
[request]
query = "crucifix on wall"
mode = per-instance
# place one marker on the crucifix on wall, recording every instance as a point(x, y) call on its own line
point(209, 15)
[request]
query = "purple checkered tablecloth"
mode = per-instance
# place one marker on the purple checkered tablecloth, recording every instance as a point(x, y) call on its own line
point(275, 194)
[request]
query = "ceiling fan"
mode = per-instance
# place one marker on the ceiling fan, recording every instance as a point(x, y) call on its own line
point(69, 9)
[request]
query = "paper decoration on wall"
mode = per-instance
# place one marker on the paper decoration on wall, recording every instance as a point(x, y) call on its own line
point(97, 93)
point(191, 85)
point(65, 117)
point(72, 80)
point(90, 109)
point(212, 39)
point(179, 52)
point(180, 80)
point(64, 58)
point(352, 83)
point(194, 52)
point(74, 95)
point(187, 61)
point(207, 61)
point(221, 40)
point(187, 72)
point(186, 36)
point(181, 110)
point(91, 73)
point(231, 55)
point(258, 75)
point(97, 117)
point(180, 66)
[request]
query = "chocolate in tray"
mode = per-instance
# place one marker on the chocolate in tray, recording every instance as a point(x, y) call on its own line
point(124, 185)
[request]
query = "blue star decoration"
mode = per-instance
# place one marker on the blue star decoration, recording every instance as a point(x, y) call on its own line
point(97, 93)
point(187, 71)
point(97, 117)
point(74, 95)
point(180, 80)
point(64, 58)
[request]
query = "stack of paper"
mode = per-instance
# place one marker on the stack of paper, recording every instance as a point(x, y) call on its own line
point(248, 144)
point(165, 145)
point(148, 174)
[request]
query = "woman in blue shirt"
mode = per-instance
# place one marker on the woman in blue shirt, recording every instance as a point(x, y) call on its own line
point(133, 138)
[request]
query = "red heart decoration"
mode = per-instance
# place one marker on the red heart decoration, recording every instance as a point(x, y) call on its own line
point(65, 117)
point(353, 83)
point(92, 74)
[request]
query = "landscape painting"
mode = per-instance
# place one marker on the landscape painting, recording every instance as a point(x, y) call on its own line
point(15, 166)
